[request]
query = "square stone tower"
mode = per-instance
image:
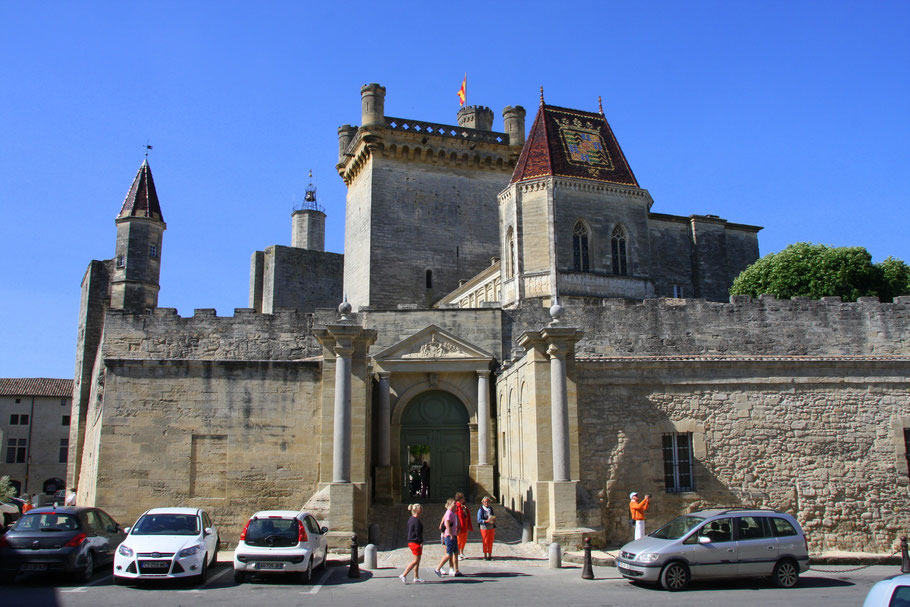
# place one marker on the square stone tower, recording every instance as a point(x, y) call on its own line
point(421, 203)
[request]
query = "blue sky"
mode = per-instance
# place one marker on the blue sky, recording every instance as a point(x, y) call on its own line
point(788, 115)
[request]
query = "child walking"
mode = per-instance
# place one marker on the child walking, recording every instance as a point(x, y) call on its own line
point(415, 543)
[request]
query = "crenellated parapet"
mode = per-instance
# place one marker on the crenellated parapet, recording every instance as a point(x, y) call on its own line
point(286, 335)
point(744, 326)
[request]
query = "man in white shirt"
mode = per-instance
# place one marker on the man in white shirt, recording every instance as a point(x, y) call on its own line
point(71, 497)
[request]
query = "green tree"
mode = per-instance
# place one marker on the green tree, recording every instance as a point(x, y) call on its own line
point(6, 489)
point(814, 270)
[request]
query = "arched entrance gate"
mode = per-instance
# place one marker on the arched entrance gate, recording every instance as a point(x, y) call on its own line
point(434, 431)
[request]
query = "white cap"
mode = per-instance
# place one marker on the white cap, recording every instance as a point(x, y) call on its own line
point(633, 494)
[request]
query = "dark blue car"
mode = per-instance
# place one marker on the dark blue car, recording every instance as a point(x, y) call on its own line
point(60, 540)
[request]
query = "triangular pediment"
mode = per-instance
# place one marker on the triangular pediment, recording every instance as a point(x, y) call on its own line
point(432, 343)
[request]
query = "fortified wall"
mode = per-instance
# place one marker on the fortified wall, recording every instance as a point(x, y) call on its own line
point(796, 405)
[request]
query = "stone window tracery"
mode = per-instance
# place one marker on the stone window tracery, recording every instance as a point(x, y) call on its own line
point(580, 257)
point(618, 248)
point(510, 253)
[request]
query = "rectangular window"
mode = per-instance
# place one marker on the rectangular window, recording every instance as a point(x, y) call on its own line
point(677, 452)
point(907, 447)
point(62, 402)
point(15, 450)
point(120, 262)
point(65, 421)
point(153, 251)
point(64, 449)
point(18, 419)
point(677, 291)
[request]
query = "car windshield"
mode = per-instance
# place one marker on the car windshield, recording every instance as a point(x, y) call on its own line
point(677, 528)
point(166, 524)
point(272, 532)
point(47, 522)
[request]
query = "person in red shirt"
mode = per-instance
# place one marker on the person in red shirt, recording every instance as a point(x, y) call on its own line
point(637, 507)
point(464, 522)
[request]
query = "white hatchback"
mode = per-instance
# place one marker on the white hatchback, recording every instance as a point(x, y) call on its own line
point(167, 543)
point(280, 541)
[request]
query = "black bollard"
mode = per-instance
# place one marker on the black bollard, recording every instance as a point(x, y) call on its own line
point(905, 559)
point(587, 572)
point(354, 569)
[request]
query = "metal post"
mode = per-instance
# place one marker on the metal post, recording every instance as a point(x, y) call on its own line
point(905, 559)
point(354, 568)
point(587, 572)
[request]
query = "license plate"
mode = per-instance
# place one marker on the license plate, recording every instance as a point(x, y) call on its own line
point(34, 567)
point(156, 564)
point(269, 565)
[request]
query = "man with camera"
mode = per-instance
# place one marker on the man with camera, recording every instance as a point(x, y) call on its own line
point(637, 507)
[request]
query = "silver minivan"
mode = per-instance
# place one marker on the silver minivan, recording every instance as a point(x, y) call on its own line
point(726, 543)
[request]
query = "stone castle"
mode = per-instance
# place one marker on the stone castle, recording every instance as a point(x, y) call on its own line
point(515, 314)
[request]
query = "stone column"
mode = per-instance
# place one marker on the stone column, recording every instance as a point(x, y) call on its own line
point(341, 445)
point(383, 470)
point(384, 411)
point(483, 418)
point(559, 411)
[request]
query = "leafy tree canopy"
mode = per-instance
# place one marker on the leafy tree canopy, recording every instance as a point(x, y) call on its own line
point(6, 489)
point(815, 270)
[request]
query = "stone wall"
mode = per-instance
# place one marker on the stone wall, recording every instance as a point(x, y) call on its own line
point(284, 335)
point(300, 279)
point(233, 437)
point(747, 327)
point(821, 439)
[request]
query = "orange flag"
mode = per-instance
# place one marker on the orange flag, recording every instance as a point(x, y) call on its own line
point(463, 91)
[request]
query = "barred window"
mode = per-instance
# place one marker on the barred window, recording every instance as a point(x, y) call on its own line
point(678, 475)
point(64, 449)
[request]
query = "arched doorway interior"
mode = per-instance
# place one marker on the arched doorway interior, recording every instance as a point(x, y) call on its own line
point(434, 428)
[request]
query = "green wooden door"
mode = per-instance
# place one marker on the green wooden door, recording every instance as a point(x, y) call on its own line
point(438, 420)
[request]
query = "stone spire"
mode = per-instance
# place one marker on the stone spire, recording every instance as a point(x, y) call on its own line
point(142, 199)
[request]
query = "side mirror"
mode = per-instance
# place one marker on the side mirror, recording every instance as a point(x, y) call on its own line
point(325, 530)
point(126, 530)
point(208, 531)
point(704, 539)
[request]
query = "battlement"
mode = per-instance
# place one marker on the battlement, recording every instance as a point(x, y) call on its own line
point(285, 335)
point(766, 326)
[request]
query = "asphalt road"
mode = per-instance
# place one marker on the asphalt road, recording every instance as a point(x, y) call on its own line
point(490, 586)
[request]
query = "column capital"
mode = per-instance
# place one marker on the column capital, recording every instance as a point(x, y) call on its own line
point(383, 375)
point(483, 373)
point(337, 339)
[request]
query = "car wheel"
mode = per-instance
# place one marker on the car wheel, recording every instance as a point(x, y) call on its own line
point(215, 555)
point(88, 569)
point(674, 577)
point(239, 577)
point(307, 576)
point(200, 579)
point(325, 557)
point(786, 574)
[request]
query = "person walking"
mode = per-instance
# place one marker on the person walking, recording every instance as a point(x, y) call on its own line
point(415, 543)
point(71, 497)
point(637, 509)
point(449, 528)
point(486, 520)
point(425, 480)
point(464, 522)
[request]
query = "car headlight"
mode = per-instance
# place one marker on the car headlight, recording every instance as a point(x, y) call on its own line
point(125, 550)
point(188, 551)
point(647, 557)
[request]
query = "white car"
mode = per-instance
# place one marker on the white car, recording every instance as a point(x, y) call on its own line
point(280, 541)
point(167, 543)
point(893, 591)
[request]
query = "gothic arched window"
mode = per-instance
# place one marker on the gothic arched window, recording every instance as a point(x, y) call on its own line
point(618, 245)
point(510, 253)
point(580, 259)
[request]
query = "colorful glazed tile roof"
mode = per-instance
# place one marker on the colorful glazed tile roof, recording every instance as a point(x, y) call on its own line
point(142, 199)
point(35, 386)
point(572, 143)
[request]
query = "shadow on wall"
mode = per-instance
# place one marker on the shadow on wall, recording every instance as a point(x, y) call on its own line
point(636, 463)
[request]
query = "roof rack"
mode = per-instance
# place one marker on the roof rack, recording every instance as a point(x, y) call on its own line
point(725, 509)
